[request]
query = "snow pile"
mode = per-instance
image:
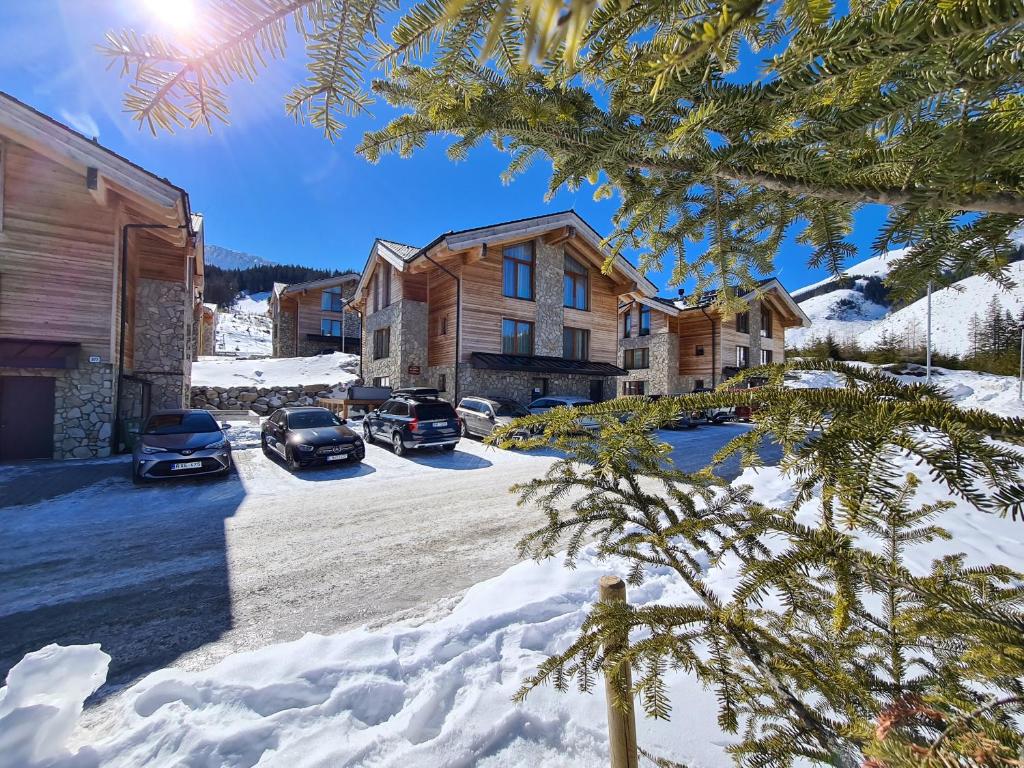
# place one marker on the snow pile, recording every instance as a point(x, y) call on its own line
point(246, 329)
point(439, 692)
point(42, 701)
point(842, 313)
point(952, 309)
point(330, 369)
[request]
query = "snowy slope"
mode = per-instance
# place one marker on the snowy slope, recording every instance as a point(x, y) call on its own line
point(952, 308)
point(336, 368)
point(245, 329)
point(226, 258)
point(874, 266)
point(843, 313)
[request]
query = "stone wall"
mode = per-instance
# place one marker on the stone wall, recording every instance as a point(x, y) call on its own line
point(262, 400)
point(661, 377)
point(520, 386)
point(163, 333)
point(408, 322)
point(208, 329)
point(283, 333)
point(83, 416)
point(549, 285)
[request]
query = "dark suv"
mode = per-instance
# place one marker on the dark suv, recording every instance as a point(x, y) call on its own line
point(413, 418)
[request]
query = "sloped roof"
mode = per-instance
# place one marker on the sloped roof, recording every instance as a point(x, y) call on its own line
point(322, 282)
point(401, 250)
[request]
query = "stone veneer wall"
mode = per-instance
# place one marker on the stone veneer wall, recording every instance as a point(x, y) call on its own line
point(262, 400)
point(519, 385)
point(662, 374)
point(83, 409)
point(163, 354)
point(284, 334)
point(408, 322)
point(550, 298)
point(209, 332)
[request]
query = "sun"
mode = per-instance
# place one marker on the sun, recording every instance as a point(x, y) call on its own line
point(178, 14)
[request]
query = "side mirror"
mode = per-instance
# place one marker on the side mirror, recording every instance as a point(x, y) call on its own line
point(225, 426)
point(344, 421)
point(490, 416)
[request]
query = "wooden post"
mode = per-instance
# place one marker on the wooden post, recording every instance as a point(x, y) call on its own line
point(621, 723)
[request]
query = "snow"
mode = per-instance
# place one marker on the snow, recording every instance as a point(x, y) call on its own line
point(875, 266)
point(952, 309)
point(246, 329)
point(843, 313)
point(330, 369)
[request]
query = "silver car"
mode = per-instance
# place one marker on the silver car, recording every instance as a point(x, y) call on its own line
point(181, 443)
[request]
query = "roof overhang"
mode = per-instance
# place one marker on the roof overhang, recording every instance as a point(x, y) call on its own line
point(327, 282)
point(379, 248)
point(543, 364)
point(776, 288)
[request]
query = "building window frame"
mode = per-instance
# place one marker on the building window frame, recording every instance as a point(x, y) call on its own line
point(743, 322)
point(382, 343)
point(513, 332)
point(645, 320)
point(442, 382)
point(575, 284)
point(575, 343)
point(627, 323)
point(698, 384)
point(766, 357)
point(698, 350)
point(328, 326)
point(332, 300)
point(382, 381)
point(513, 264)
point(634, 388)
point(742, 356)
point(636, 359)
point(766, 323)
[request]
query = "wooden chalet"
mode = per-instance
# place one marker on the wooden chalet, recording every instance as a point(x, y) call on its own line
point(101, 267)
point(314, 317)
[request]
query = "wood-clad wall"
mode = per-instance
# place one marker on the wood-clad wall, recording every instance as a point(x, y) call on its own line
point(600, 319)
point(160, 260)
point(694, 330)
point(57, 249)
point(484, 306)
point(441, 306)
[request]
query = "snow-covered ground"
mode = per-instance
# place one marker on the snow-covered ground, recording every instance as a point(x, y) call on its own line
point(843, 314)
point(335, 368)
point(245, 329)
point(952, 309)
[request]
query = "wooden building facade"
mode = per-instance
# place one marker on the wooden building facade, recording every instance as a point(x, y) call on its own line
point(314, 317)
point(518, 309)
point(100, 273)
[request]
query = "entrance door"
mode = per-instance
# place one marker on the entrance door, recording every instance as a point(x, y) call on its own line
point(26, 417)
point(597, 390)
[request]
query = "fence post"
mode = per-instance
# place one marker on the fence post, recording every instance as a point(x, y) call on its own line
point(621, 723)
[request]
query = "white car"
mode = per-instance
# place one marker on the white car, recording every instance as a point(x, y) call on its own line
point(545, 404)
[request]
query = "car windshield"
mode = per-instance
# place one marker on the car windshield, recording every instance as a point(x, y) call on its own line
point(180, 424)
point(312, 420)
point(434, 411)
point(511, 409)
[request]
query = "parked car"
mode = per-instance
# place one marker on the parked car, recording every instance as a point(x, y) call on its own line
point(305, 437)
point(413, 418)
point(716, 415)
point(685, 420)
point(545, 404)
point(480, 415)
point(183, 442)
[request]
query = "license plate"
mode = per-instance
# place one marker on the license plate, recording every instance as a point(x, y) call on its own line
point(441, 423)
point(186, 465)
point(337, 457)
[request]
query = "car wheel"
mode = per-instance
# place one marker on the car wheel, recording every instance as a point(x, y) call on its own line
point(137, 479)
point(358, 455)
point(465, 430)
point(367, 434)
point(449, 448)
point(397, 444)
point(293, 463)
point(264, 446)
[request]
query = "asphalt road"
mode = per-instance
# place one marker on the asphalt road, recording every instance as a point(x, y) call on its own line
point(186, 573)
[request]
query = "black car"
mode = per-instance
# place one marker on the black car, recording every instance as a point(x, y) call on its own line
point(413, 418)
point(307, 436)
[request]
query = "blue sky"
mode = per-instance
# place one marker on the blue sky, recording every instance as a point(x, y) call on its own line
point(274, 188)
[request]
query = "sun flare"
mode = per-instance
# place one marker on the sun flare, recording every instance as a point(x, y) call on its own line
point(178, 14)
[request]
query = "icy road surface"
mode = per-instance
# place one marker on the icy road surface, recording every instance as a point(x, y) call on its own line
point(187, 572)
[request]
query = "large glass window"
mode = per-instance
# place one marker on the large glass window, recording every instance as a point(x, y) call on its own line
point(576, 284)
point(645, 320)
point(766, 357)
point(331, 300)
point(516, 337)
point(742, 357)
point(517, 271)
point(637, 358)
point(575, 344)
point(330, 327)
point(633, 388)
point(766, 323)
point(381, 343)
point(627, 323)
point(742, 322)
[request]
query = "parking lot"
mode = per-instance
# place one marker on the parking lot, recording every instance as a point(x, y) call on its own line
point(186, 572)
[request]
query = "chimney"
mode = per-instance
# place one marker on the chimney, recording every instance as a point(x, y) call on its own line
point(682, 293)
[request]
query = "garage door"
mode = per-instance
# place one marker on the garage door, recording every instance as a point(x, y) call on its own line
point(26, 417)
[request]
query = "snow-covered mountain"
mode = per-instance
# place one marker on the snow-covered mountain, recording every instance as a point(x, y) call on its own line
point(226, 258)
point(245, 329)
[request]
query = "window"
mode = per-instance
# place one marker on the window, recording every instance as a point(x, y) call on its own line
point(766, 323)
point(516, 337)
point(381, 343)
point(575, 344)
point(331, 300)
point(442, 382)
point(766, 357)
point(539, 387)
point(633, 388)
point(699, 350)
point(698, 384)
point(382, 381)
point(442, 329)
point(637, 358)
point(742, 322)
point(382, 286)
point(517, 271)
point(627, 323)
point(742, 357)
point(645, 320)
point(330, 327)
point(576, 284)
